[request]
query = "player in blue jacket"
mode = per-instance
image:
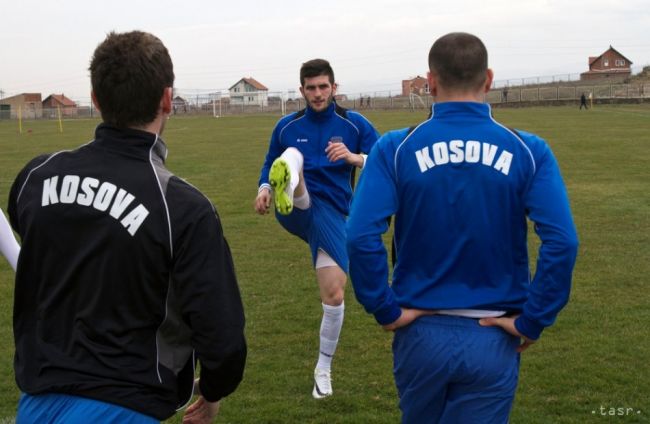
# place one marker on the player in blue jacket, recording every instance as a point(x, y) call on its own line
point(461, 302)
point(309, 172)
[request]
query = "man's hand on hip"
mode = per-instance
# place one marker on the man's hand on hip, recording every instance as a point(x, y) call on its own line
point(508, 325)
point(407, 317)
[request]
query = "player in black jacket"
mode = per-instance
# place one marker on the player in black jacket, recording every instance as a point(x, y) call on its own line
point(125, 279)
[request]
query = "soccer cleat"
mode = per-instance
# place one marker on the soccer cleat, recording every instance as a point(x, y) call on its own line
point(322, 384)
point(279, 178)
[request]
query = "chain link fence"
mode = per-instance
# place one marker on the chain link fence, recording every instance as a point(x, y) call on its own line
point(218, 104)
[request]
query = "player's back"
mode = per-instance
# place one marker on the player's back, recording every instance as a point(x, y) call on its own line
point(461, 223)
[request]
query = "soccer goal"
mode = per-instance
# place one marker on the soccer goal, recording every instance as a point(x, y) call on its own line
point(416, 102)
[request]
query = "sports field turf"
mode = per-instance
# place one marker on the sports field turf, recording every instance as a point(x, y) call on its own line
point(594, 361)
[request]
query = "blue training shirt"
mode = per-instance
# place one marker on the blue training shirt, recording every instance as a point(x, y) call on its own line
point(309, 132)
point(461, 186)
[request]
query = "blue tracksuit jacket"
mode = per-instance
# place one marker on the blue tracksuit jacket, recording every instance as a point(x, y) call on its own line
point(309, 132)
point(461, 186)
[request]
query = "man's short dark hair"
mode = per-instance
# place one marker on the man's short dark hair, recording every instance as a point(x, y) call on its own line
point(316, 68)
point(460, 61)
point(129, 73)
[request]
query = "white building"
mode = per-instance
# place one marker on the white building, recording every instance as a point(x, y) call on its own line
point(248, 91)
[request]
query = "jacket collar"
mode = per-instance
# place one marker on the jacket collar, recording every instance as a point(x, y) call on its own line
point(130, 141)
point(443, 109)
point(327, 113)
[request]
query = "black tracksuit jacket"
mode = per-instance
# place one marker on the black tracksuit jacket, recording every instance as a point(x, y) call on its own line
point(124, 279)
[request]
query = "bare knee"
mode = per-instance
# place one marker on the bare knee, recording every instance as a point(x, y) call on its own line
point(331, 281)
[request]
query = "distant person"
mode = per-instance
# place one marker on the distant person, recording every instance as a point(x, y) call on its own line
point(368, 102)
point(308, 172)
point(505, 94)
point(583, 101)
point(361, 102)
point(125, 279)
point(461, 187)
point(9, 247)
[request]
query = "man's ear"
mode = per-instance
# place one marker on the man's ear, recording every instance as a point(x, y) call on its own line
point(489, 77)
point(94, 99)
point(166, 101)
point(433, 83)
point(334, 87)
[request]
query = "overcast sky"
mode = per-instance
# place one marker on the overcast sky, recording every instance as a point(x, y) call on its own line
point(45, 46)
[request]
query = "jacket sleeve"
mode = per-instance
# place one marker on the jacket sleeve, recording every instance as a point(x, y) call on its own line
point(375, 200)
point(16, 188)
point(275, 150)
point(548, 207)
point(206, 285)
point(367, 133)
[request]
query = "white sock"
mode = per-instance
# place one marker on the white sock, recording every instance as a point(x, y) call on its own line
point(303, 201)
point(330, 329)
point(294, 159)
point(9, 247)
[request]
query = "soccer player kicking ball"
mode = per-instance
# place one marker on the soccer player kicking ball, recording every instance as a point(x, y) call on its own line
point(308, 172)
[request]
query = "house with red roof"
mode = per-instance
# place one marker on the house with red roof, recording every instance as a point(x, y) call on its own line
point(609, 64)
point(249, 92)
point(55, 102)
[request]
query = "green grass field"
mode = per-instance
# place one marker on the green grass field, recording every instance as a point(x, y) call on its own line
point(594, 361)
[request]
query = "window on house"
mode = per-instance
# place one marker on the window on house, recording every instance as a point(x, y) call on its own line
point(605, 62)
point(620, 62)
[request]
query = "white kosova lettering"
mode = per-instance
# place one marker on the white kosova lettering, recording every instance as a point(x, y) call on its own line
point(135, 218)
point(472, 151)
point(49, 191)
point(87, 186)
point(440, 153)
point(104, 196)
point(489, 152)
point(69, 187)
point(459, 151)
point(122, 200)
point(424, 160)
point(503, 163)
point(88, 191)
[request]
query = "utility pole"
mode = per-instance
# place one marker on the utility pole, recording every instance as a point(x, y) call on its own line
point(2, 94)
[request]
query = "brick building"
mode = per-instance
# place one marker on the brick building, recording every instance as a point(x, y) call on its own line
point(418, 85)
point(55, 102)
point(29, 104)
point(610, 64)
